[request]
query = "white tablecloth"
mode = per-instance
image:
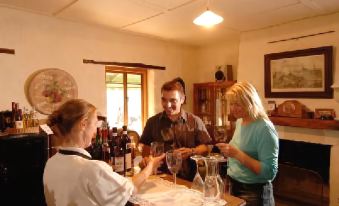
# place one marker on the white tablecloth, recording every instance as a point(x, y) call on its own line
point(158, 192)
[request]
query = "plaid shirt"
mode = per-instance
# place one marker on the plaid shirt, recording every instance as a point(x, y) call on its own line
point(188, 131)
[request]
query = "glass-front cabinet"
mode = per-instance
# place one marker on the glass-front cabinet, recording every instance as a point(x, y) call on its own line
point(210, 104)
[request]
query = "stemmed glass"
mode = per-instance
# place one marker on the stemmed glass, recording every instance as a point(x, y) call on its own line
point(174, 161)
point(198, 183)
point(157, 148)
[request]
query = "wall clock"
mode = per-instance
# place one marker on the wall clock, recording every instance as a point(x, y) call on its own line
point(49, 88)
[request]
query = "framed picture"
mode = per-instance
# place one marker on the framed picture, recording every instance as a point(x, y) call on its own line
point(299, 74)
point(327, 114)
point(271, 106)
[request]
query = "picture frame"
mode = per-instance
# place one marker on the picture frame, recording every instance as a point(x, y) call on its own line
point(327, 114)
point(271, 107)
point(303, 73)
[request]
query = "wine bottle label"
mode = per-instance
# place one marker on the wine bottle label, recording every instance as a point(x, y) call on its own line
point(119, 164)
point(128, 160)
point(128, 146)
point(19, 124)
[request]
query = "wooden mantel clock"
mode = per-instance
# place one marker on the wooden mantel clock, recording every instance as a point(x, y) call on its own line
point(49, 88)
point(292, 108)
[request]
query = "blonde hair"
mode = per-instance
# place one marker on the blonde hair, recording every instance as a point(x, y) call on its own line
point(68, 114)
point(247, 96)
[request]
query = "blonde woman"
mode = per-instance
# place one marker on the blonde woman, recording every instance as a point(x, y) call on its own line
point(70, 176)
point(253, 150)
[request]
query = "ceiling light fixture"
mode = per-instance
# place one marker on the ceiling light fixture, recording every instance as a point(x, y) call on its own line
point(208, 18)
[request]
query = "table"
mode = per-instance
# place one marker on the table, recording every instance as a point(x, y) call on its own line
point(231, 200)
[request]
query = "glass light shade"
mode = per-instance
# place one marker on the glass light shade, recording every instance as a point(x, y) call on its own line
point(208, 18)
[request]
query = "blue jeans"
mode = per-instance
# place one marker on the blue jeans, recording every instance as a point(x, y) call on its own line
point(260, 194)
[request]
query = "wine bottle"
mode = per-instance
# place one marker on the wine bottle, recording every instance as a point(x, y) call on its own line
point(128, 152)
point(13, 116)
point(119, 157)
point(106, 153)
point(18, 119)
point(113, 145)
point(97, 148)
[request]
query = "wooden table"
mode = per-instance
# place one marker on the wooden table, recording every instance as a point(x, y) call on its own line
point(231, 200)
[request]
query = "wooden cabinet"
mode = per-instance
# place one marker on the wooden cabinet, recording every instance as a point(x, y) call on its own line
point(210, 104)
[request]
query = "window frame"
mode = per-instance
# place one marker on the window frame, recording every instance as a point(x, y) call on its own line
point(144, 93)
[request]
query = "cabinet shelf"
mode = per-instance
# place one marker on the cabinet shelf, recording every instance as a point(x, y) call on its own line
point(210, 104)
point(306, 123)
point(204, 113)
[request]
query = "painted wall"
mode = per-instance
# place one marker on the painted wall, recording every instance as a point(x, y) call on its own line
point(45, 42)
point(254, 45)
point(209, 57)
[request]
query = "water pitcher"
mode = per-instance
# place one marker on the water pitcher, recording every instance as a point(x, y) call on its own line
point(214, 186)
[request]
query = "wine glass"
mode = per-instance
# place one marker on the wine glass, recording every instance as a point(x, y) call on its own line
point(157, 148)
point(174, 160)
point(198, 183)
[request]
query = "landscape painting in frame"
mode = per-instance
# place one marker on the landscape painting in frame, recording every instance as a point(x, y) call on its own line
point(299, 74)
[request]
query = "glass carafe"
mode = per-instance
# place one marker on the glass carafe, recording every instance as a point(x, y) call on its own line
point(213, 187)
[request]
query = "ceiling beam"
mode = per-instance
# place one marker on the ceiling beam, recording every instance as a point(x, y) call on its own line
point(124, 64)
point(7, 51)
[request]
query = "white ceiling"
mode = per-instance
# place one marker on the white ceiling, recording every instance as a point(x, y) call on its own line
point(172, 19)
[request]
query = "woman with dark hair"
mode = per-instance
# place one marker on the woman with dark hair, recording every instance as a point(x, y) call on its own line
point(70, 176)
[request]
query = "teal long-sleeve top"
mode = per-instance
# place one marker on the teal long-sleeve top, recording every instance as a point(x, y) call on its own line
point(259, 140)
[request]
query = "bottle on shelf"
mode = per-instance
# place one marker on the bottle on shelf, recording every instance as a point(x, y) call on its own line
point(13, 116)
point(18, 118)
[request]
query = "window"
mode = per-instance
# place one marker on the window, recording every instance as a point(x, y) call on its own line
point(126, 97)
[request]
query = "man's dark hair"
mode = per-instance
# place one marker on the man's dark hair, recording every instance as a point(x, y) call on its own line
point(175, 84)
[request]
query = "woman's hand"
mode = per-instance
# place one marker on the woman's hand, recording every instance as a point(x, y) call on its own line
point(155, 162)
point(152, 163)
point(227, 149)
point(143, 163)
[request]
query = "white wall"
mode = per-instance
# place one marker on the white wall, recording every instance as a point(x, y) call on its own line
point(206, 59)
point(45, 42)
point(209, 57)
point(254, 45)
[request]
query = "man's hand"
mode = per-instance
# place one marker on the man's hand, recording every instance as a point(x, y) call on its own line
point(185, 152)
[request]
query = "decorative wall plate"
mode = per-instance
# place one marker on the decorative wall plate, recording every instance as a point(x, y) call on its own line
point(49, 88)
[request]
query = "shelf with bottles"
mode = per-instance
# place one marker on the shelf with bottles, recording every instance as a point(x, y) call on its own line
point(18, 120)
point(210, 104)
